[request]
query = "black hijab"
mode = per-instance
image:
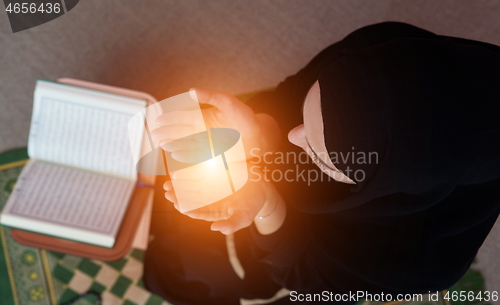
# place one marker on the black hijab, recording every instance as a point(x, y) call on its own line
point(428, 107)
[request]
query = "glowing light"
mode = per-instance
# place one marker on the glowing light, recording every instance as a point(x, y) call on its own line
point(211, 163)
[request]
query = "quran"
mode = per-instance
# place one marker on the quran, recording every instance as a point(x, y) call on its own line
point(81, 174)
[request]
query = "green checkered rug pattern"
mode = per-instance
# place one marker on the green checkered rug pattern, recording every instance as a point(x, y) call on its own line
point(118, 282)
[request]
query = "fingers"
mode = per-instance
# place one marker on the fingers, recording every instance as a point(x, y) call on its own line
point(171, 133)
point(187, 118)
point(191, 156)
point(168, 186)
point(185, 193)
point(181, 144)
point(225, 219)
point(188, 151)
point(219, 100)
point(239, 220)
point(170, 194)
point(189, 174)
point(186, 186)
point(205, 214)
point(184, 143)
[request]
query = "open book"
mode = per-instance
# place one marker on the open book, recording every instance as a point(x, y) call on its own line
point(81, 173)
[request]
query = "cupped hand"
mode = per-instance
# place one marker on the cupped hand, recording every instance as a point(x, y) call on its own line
point(231, 214)
point(226, 112)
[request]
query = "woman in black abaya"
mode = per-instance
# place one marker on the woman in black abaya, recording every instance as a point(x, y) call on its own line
point(409, 221)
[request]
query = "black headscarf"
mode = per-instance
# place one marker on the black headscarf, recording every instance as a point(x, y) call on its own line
point(428, 107)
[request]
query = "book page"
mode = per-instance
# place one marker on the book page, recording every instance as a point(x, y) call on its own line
point(83, 128)
point(69, 197)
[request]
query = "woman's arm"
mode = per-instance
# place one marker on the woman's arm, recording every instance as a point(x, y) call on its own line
point(272, 215)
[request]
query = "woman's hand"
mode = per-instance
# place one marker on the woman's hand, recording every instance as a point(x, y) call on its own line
point(257, 131)
point(232, 213)
point(256, 201)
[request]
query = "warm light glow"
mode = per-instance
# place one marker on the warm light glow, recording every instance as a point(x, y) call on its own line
point(213, 169)
point(211, 163)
